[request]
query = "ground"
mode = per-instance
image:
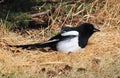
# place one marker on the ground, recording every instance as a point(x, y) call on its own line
point(99, 59)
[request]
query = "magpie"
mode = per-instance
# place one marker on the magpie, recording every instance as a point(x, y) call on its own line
point(70, 39)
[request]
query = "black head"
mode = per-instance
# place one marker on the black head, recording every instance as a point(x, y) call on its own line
point(87, 29)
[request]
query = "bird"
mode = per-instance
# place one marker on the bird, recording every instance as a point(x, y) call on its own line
point(69, 39)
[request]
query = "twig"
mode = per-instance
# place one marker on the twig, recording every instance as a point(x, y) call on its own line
point(39, 14)
point(48, 63)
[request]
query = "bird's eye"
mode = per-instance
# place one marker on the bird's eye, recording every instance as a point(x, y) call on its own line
point(91, 27)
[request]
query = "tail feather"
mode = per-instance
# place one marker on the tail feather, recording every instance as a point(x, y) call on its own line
point(36, 45)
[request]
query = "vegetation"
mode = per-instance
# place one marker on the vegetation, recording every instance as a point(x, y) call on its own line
point(100, 59)
point(19, 14)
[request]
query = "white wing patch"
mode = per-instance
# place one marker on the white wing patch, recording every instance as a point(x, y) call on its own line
point(67, 33)
point(50, 41)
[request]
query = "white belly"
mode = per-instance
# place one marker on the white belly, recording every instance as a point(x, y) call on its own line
point(69, 45)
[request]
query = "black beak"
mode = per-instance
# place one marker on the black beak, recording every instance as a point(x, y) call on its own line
point(96, 30)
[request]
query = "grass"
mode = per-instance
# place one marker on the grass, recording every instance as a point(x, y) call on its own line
point(100, 59)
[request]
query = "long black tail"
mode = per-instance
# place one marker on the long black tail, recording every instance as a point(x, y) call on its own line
point(30, 46)
point(50, 43)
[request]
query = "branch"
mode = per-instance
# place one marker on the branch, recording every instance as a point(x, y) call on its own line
point(39, 14)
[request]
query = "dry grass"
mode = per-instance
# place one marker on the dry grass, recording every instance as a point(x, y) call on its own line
point(100, 59)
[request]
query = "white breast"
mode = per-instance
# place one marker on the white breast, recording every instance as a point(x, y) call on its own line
point(69, 45)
